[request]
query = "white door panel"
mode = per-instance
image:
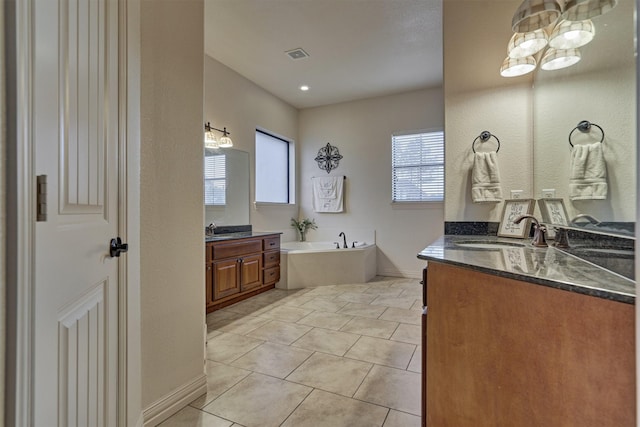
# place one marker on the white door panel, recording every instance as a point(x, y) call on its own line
point(75, 105)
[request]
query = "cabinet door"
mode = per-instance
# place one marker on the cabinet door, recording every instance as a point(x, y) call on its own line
point(225, 278)
point(251, 272)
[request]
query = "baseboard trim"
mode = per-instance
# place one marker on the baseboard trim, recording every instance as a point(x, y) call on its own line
point(408, 274)
point(171, 403)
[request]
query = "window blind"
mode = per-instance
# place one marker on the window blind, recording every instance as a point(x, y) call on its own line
point(272, 169)
point(418, 167)
point(215, 180)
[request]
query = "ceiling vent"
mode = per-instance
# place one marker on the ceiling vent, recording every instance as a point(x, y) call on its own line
point(298, 53)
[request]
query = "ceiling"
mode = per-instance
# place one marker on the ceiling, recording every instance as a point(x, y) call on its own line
point(357, 48)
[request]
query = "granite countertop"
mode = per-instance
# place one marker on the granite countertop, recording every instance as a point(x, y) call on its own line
point(544, 266)
point(239, 235)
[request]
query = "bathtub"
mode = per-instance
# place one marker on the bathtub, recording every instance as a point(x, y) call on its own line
point(308, 264)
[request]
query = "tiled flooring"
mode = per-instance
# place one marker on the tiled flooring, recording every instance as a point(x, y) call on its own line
point(344, 355)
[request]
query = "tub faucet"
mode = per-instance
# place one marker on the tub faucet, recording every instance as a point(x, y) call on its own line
point(538, 235)
point(344, 238)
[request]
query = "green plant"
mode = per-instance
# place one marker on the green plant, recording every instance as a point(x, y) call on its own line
point(303, 226)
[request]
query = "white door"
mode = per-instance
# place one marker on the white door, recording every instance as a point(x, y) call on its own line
point(75, 134)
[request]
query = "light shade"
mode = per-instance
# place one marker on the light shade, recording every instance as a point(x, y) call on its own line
point(572, 34)
point(579, 10)
point(210, 139)
point(513, 67)
point(225, 142)
point(522, 45)
point(535, 14)
point(555, 59)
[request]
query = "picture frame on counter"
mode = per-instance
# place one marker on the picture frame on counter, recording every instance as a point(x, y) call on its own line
point(513, 208)
point(553, 211)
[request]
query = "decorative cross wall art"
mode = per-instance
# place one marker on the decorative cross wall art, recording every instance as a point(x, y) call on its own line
point(328, 157)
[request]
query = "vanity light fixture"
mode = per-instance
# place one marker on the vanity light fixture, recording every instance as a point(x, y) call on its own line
point(579, 10)
point(513, 67)
point(522, 45)
point(223, 142)
point(556, 59)
point(572, 34)
point(535, 14)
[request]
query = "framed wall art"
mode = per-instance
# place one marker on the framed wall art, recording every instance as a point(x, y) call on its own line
point(553, 211)
point(513, 209)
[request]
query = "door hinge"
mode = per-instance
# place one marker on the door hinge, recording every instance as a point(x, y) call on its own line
point(41, 198)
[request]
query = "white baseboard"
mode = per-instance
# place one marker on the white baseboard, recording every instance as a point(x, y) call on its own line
point(171, 403)
point(409, 274)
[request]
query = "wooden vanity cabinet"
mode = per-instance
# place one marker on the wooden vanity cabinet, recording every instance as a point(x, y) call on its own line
point(504, 352)
point(240, 268)
point(271, 260)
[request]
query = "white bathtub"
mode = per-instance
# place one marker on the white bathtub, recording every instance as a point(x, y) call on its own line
point(307, 264)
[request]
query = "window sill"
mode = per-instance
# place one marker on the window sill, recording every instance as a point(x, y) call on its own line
point(417, 205)
point(257, 205)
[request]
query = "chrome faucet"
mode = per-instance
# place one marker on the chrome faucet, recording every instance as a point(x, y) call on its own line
point(539, 230)
point(344, 238)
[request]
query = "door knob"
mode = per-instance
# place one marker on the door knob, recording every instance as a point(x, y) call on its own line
point(116, 247)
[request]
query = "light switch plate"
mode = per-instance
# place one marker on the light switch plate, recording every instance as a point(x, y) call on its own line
point(548, 193)
point(516, 194)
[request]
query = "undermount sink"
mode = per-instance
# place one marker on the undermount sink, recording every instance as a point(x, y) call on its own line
point(483, 244)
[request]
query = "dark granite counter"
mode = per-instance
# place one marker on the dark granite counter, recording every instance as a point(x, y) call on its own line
point(544, 266)
point(239, 235)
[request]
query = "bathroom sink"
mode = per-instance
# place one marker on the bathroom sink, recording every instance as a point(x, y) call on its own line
point(484, 244)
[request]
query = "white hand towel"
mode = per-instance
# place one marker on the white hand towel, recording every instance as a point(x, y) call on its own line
point(588, 174)
point(485, 178)
point(328, 194)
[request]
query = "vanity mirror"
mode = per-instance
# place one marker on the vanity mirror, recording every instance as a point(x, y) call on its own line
point(226, 178)
point(600, 88)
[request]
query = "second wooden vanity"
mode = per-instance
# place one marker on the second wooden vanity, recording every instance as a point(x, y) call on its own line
point(238, 267)
point(506, 352)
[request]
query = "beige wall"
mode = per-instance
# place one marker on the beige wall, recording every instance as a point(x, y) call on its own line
point(362, 132)
point(237, 103)
point(505, 112)
point(477, 98)
point(171, 211)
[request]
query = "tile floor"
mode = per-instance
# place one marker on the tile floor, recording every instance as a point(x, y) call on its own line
point(344, 355)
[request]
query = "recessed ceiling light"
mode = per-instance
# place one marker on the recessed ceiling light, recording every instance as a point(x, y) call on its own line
point(304, 88)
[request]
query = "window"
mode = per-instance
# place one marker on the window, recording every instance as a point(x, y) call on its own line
point(215, 180)
point(418, 167)
point(273, 164)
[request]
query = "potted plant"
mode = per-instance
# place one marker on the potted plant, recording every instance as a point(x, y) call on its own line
point(303, 226)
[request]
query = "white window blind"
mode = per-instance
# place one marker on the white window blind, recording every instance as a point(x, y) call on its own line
point(215, 180)
point(272, 169)
point(418, 167)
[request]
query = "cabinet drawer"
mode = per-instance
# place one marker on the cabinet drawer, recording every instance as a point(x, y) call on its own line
point(271, 275)
point(228, 250)
point(271, 259)
point(271, 243)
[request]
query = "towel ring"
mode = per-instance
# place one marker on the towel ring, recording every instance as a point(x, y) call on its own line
point(484, 137)
point(584, 127)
